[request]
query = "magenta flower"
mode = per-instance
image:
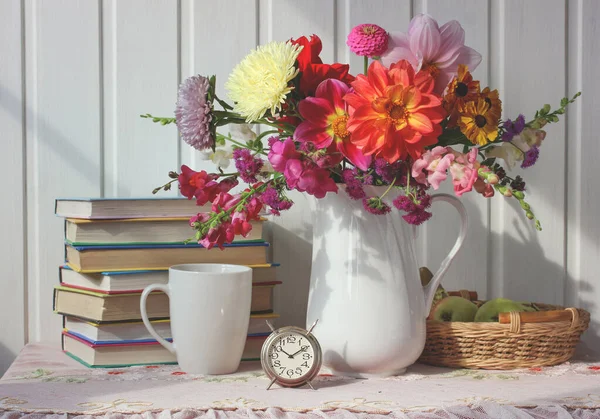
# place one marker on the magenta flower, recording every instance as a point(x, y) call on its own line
point(325, 120)
point(367, 40)
point(193, 113)
point(436, 50)
point(376, 206)
point(315, 181)
point(300, 173)
point(431, 168)
point(248, 166)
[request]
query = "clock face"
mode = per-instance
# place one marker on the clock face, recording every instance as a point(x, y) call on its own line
point(291, 356)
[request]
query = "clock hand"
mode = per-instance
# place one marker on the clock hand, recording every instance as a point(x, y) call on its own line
point(301, 350)
point(289, 356)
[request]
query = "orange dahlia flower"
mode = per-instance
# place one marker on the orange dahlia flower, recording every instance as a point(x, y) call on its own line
point(393, 112)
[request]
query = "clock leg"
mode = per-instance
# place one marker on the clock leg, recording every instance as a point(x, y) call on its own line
point(272, 382)
point(310, 384)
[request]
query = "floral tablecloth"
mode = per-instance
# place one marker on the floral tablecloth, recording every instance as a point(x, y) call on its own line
point(43, 381)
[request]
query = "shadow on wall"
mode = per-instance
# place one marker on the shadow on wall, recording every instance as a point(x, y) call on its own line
point(291, 235)
point(7, 356)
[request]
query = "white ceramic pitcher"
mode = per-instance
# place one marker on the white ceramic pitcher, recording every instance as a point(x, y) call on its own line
point(365, 287)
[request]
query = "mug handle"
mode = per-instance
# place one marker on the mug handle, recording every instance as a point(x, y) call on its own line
point(164, 288)
point(429, 289)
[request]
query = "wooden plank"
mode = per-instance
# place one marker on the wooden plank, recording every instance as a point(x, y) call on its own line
point(528, 42)
point(12, 168)
point(238, 35)
point(436, 237)
point(63, 138)
point(581, 286)
point(291, 232)
point(140, 40)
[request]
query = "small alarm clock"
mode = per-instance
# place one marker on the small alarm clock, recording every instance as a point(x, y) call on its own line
point(291, 356)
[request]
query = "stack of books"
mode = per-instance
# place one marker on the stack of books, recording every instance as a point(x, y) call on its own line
point(114, 248)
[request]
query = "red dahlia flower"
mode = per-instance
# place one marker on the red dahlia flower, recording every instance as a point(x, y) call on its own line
point(312, 69)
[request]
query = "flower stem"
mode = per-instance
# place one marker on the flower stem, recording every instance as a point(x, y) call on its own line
point(389, 188)
point(366, 64)
point(226, 138)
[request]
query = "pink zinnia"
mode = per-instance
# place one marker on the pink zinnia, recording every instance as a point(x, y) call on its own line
point(437, 50)
point(193, 113)
point(368, 40)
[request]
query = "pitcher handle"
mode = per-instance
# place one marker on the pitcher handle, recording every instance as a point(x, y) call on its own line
point(429, 289)
point(164, 288)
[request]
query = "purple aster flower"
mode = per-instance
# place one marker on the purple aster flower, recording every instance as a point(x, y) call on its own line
point(193, 113)
point(513, 128)
point(271, 198)
point(354, 187)
point(247, 165)
point(376, 206)
point(531, 157)
point(390, 171)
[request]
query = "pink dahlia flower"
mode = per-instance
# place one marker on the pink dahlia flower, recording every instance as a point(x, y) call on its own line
point(193, 113)
point(325, 119)
point(368, 40)
point(438, 50)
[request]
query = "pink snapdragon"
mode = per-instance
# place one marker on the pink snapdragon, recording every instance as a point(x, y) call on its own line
point(437, 50)
point(464, 171)
point(431, 168)
point(202, 185)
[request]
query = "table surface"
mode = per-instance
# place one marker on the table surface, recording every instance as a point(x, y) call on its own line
point(44, 380)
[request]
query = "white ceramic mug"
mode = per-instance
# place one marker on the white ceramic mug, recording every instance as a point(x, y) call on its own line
point(210, 311)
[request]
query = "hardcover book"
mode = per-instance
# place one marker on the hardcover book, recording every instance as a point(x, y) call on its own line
point(102, 307)
point(161, 257)
point(136, 281)
point(135, 331)
point(108, 208)
point(132, 354)
point(83, 232)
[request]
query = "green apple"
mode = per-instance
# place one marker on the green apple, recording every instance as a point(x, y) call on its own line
point(440, 292)
point(490, 310)
point(454, 309)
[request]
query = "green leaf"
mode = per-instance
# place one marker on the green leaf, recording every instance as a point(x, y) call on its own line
point(564, 102)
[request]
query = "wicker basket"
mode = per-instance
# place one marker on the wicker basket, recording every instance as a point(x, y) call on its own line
point(497, 346)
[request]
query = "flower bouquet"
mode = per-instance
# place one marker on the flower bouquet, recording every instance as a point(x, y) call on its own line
point(415, 118)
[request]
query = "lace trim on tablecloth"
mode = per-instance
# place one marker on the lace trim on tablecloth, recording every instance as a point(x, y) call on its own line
point(477, 411)
point(173, 373)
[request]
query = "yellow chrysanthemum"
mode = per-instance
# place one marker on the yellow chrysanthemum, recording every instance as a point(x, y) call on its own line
point(260, 82)
point(478, 122)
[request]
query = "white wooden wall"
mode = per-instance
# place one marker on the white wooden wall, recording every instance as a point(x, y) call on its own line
point(75, 75)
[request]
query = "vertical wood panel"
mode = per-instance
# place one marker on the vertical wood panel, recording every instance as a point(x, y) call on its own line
point(292, 232)
point(12, 212)
point(140, 40)
point(237, 36)
point(469, 269)
point(582, 288)
point(63, 137)
point(529, 42)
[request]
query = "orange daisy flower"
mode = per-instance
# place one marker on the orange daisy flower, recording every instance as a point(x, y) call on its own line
point(492, 98)
point(462, 89)
point(477, 122)
point(393, 113)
